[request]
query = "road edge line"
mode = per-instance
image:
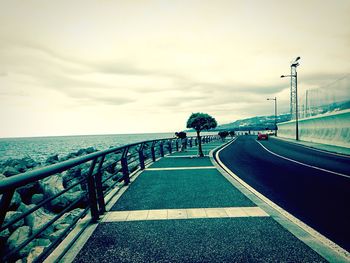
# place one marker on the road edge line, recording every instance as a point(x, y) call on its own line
point(324, 247)
point(304, 164)
point(310, 147)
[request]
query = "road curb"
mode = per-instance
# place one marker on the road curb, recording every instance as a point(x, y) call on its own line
point(316, 241)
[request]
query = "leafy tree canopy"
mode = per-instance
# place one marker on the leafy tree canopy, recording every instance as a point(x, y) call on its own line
point(181, 134)
point(223, 134)
point(201, 121)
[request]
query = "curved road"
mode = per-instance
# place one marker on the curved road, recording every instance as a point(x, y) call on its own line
point(312, 185)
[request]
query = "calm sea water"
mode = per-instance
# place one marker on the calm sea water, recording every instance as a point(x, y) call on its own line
point(39, 148)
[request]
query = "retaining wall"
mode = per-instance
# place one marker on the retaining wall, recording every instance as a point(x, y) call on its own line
point(333, 129)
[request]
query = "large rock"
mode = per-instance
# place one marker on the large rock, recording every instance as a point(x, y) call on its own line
point(29, 162)
point(28, 190)
point(11, 215)
point(67, 219)
point(38, 219)
point(21, 165)
point(34, 253)
point(20, 235)
point(15, 201)
point(52, 186)
point(37, 198)
point(71, 176)
point(52, 159)
point(10, 171)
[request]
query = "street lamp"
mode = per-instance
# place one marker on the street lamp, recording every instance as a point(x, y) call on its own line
point(275, 99)
point(294, 93)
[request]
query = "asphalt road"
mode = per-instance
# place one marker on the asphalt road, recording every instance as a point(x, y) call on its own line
point(318, 197)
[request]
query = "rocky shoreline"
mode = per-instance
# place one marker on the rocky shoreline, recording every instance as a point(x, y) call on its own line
point(29, 196)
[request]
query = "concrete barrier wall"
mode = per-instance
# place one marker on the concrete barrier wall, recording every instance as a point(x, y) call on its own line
point(333, 129)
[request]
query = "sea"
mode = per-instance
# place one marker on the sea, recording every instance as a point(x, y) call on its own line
point(40, 148)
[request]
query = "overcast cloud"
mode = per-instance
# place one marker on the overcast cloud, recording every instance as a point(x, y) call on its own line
point(95, 67)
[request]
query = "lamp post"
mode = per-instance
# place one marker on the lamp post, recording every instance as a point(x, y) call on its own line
point(294, 93)
point(275, 99)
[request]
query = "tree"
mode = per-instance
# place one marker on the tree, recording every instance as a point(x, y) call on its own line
point(181, 134)
point(223, 135)
point(201, 121)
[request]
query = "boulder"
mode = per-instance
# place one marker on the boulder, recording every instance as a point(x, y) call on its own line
point(15, 201)
point(21, 167)
point(53, 236)
point(11, 215)
point(67, 219)
point(4, 234)
point(71, 176)
point(86, 151)
point(53, 185)
point(38, 219)
point(10, 171)
point(20, 235)
point(37, 198)
point(28, 190)
point(34, 253)
point(29, 162)
point(52, 159)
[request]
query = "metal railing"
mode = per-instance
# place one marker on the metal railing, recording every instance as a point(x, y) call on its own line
point(94, 175)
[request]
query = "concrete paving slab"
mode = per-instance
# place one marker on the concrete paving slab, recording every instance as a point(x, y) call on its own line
point(215, 212)
point(177, 214)
point(137, 215)
point(196, 213)
point(157, 214)
point(254, 211)
point(235, 212)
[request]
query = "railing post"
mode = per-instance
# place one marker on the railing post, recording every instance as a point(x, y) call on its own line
point(196, 142)
point(170, 146)
point(153, 152)
point(177, 145)
point(92, 192)
point(5, 203)
point(141, 157)
point(99, 190)
point(125, 168)
point(161, 149)
point(191, 143)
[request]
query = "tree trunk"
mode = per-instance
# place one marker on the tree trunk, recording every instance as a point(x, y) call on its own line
point(200, 152)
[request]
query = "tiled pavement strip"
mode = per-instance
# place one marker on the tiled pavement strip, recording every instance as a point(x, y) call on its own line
point(183, 210)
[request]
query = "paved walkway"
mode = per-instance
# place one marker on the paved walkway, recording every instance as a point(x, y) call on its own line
point(182, 209)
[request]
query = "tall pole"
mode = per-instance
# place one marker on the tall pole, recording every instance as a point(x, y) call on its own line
point(294, 94)
point(275, 99)
point(276, 116)
point(296, 107)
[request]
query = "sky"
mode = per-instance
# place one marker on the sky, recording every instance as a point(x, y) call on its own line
point(113, 66)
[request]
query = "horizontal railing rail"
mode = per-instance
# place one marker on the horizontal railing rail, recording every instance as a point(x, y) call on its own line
point(79, 185)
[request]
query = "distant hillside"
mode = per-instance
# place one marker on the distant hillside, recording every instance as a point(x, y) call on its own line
point(268, 122)
point(254, 123)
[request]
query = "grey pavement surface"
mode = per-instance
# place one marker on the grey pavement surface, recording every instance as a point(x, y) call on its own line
point(240, 239)
point(196, 240)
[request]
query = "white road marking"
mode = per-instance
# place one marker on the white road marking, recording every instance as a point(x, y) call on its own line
point(312, 148)
point(180, 168)
point(189, 213)
point(184, 156)
point(304, 164)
